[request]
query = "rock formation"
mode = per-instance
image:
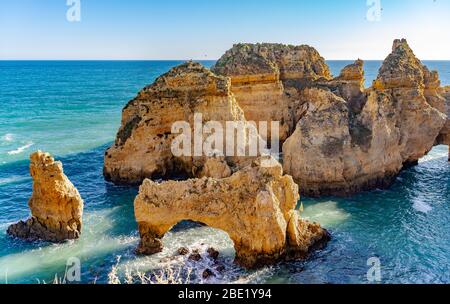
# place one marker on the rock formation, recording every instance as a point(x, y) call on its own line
point(444, 136)
point(56, 206)
point(337, 137)
point(264, 79)
point(349, 142)
point(255, 206)
point(143, 145)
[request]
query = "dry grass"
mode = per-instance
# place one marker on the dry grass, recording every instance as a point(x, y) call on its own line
point(167, 275)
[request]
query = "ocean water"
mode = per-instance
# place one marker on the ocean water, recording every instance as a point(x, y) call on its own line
point(72, 109)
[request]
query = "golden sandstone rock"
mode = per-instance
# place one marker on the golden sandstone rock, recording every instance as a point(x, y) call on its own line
point(255, 206)
point(56, 206)
point(143, 145)
point(444, 136)
point(338, 139)
point(342, 148)
point(265, 76)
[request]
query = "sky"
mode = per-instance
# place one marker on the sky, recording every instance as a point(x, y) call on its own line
point(205, 29)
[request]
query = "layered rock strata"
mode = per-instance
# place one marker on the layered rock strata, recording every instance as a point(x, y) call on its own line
point(143, 147)
point(444, 136)
point(255, 206)
point(265, 78)
point(337, 137)
point(55, 204)
point(353, 140)
point(341, 138)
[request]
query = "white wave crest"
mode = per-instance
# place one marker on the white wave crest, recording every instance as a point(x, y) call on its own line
point(20, 149)
point(422, 206)
point(7, 137)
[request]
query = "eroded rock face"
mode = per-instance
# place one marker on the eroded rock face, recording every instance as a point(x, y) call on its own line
point(265, 79)
point(444, 136)
point(255, 206)
point(338, 137)
point(56, 206)
point(349, 85)
point(143, 144)
point(344, 144)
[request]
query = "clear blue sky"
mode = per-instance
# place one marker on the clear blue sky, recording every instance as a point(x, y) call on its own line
point(204, 29)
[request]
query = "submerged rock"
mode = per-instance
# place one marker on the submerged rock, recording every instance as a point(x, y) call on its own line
point(195, 256)
point(55, 204)
point(255, 206)
point(213, 253)
point(220, 268)
point(182, 251)
point(207, 273)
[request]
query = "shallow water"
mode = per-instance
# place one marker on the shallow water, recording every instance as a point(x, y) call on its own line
point(72, 109)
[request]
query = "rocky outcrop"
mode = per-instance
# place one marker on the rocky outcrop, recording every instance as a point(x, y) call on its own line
point(143, 145)
point(265, 78)
point(338, 137)
point(352, 140)
point(444, 136)
point(55, 204)
point(255, 206)
point(349, 85)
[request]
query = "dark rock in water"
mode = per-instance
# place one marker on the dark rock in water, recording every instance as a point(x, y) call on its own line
point(220, 268)
point(213, 253)
point(208, 273)
point(195, 256)
point(166, 259)
point(182, 251)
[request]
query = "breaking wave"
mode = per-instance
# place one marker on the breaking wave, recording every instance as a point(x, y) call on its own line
point(21, 149)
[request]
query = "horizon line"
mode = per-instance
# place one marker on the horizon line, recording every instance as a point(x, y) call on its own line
point(194, 59)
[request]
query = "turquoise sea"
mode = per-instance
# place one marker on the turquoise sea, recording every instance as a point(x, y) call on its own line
point(72, 109)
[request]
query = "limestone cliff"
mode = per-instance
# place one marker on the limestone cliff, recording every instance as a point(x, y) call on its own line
point(55, 204)
point(337, 137)
point(265, 78)
point(143, 145)
point(255, 206)
point(344, 144)
point(444, 136)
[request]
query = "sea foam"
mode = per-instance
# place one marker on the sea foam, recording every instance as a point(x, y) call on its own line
point(422, 206)
point(7, 137)
point(20, 149)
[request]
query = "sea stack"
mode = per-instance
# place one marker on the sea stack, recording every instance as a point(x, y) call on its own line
point(55, 204)
point(255, 206)
point(143, 144)
point(347, 143)
point(337, 137)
